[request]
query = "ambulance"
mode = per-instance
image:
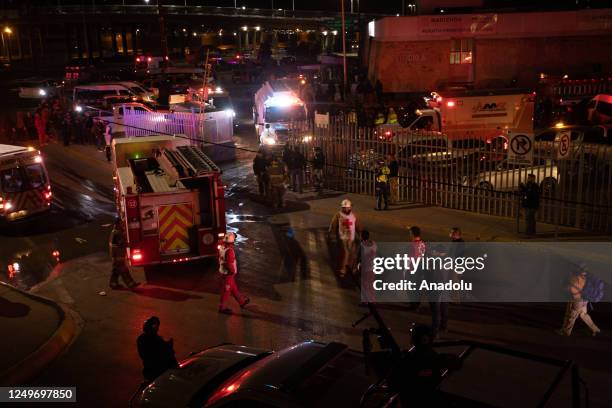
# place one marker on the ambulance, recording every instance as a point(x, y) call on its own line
point(24, 183)
point(170, 198)
point(277, 105)
point(486, 115)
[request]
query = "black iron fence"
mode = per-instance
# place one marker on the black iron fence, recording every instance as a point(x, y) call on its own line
point(467, 173)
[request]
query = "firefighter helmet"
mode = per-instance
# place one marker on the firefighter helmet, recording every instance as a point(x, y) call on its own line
point(346, 203)
point(230, 237)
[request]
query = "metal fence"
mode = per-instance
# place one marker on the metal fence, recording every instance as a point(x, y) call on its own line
point(459, 172)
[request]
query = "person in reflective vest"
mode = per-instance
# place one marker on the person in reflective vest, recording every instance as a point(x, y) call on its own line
point(382, 185)
point(380, 119)
point(228, 269)
point(392, 116)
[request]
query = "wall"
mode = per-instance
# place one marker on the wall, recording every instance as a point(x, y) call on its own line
point(416, 66)
point(408, 66)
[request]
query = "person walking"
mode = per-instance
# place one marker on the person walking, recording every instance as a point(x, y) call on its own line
point(260, 169)
point(382, 185)
point(530, 196)
point(344, 225)
point(157, 354)
point(278, 178)
point(296, 165)
point(365, 266)
point(117, 248)
point(228, 269)
point(580, 290)
point(393, 179)
point(418, 249)
point(40, 129)
point(66, 128)
point(318, 166)
point(108, 139)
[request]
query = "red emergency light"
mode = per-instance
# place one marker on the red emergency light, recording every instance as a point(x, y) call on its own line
point(149, 59)
point(450, 104)
point(137, 59)
point(136, 255)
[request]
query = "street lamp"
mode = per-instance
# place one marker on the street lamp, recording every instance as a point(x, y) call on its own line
point(8, 32)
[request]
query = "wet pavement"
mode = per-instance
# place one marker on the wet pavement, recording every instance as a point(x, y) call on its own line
point(295, 293)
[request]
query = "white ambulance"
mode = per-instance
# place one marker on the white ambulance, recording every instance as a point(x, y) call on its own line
point(24, 183)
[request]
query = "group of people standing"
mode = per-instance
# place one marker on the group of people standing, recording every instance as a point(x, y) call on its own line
point(276, 171)
point(356, 251)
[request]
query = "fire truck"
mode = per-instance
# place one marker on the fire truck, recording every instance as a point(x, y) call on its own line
point(277, 105)
point(169, 197)
point(24, 183)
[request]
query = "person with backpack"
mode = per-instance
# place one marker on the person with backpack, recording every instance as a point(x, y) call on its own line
point(584, 287)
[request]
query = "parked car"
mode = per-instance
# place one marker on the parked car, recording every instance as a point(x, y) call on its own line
point(308, 374)
point(507, 175)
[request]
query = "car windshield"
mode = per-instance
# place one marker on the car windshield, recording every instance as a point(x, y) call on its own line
point(285, 114)
point(19, 179)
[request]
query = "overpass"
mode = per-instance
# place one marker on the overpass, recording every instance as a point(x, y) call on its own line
point(57, 34)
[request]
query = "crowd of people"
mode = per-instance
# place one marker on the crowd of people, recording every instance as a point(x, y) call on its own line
point(276, 171)
point(53, 120)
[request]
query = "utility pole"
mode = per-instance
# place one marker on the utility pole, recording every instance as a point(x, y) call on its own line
point(344, 76)
point(163, 39)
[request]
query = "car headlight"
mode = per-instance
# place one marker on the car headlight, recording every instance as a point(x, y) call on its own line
point(269, 140)
point(230, 112)
point(42, 92)
point(78, 108)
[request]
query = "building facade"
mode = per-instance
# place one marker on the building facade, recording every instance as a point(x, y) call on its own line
point(489, 50)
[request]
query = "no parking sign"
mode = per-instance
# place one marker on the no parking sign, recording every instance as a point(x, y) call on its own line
point(563, 142)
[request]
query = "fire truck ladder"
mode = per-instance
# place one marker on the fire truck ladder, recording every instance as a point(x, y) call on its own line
point(196, 160)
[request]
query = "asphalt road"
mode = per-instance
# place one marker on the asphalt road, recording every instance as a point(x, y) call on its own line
point(295, 295)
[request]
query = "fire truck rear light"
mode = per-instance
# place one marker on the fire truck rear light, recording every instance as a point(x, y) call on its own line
point(48, 195)
point(136, 255)
point(450, 104)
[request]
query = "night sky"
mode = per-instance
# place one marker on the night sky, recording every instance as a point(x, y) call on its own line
point(376, 6)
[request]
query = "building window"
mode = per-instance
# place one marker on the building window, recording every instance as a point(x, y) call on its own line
point(461, 51)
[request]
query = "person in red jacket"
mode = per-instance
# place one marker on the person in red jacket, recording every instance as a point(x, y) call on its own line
point(228, 268)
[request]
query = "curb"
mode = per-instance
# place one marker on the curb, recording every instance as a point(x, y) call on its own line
point(65, 334)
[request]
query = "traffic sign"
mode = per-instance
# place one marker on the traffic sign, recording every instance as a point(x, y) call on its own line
point(563, 143)
point(520, 148)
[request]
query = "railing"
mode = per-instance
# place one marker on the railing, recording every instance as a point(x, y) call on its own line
point(152, 8)
point(459, 172)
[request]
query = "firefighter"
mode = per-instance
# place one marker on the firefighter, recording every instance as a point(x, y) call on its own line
point(228, 268)
point(278, 178)
point(345, 225)
point(116, 245)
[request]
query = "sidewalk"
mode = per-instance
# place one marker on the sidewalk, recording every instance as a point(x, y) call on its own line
point(36, 330)
point(436, 222)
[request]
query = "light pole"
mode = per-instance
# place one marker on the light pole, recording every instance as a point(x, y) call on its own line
point(344, 76)
point(8, 32)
